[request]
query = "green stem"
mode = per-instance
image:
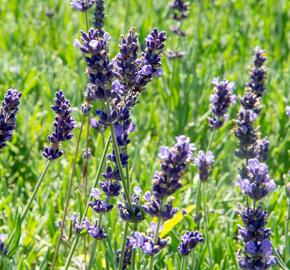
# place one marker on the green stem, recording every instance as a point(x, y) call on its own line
point(210, 140)
point(182, 263)
point(279, 260)
point(156, 235)
point(39, 182)
point(123, 246)
point(198, 203)
point(134, 250)
point(102, 162)
point(86, 20)
point(119, 164)
point(68, 195)
point(287, 244)
point(206, 226)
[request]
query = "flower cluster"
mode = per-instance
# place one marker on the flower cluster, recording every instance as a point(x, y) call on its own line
point(82, 5)
point(180, 12)
point(93, 229)
point(188, 242)
point(132, 212)
point(245, 131)
point(180, 9)
point(8, 112)
point(258, 247)
point(63, 126)
point(127, 255)
point(257, 183)
point(95, 48)
point(221, 101)
point(99, 15)
point(204, 161)
point(3, 249)
point(146, 243)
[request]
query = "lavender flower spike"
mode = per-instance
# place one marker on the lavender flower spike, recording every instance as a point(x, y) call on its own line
point(8, 112)
point(256, 183)
point(173, 164)
point(82, 5)
point(188, 242)
point(258, 249)
point(204, 161)
point(63, 126)
point(99, 15)
point(221, 101)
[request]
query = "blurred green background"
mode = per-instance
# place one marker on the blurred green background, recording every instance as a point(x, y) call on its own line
point(38, 58)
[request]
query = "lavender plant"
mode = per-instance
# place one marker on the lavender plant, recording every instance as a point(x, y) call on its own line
point(117, 84)
point(62, 128)
point(179, 9)
point(220, 100)
point(254, 179)
point(165, 183)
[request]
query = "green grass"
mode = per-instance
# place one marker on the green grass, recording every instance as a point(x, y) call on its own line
point(38, 58)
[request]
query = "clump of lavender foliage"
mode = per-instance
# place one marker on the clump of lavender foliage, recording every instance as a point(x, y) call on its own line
point(63, 125)
point(8, 112)
point(254, 179)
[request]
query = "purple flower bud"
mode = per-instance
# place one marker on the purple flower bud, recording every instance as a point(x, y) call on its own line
point(82, 5)
point(204, 161)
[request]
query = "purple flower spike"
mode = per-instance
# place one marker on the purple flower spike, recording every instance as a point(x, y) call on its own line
point(95, 48)
point(258, 249)
point(95, 231)
point(8, 112)
point(204, 161)
point(99, 15)
point(128, 255)
point(173, 164)
point(256, 183)
point(82, 5)
point(188, 242)
point(180, 9)
point(221, 101)
point(63, 126)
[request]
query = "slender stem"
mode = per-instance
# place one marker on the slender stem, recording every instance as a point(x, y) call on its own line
point(210, 140)
point(102, 162)
point(87, 22)
point(119, 164)
point(182, 263)
point(156, 235)
point(123, 246)
point(68, 195)
point(287, 244)
point(198, 204)
point(279, 260)
point(206, 226)
point(39, 182)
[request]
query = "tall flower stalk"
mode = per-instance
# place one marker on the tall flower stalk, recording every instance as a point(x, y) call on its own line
point(180, 10)
point(62, 128)
point(131, 74)
point(220, 100)
point(165, 183)
point(254, 179)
